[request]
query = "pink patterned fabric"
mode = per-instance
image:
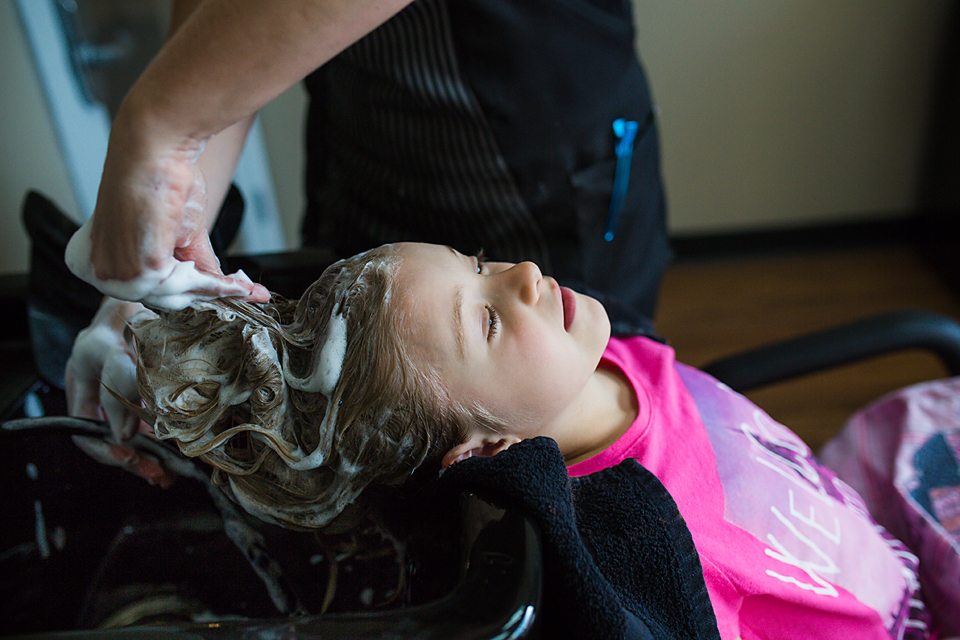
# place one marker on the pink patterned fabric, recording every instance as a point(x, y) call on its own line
point(788, 550)
point(900, 454)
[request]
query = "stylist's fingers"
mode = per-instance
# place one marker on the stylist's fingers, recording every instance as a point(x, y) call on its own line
point(193, 245)
point(192, 240)
point(119, 378)
point(200, 252)
point(84, 368)
point(83, 394)
point(227, 285)
point(173, 284)
point(102, 360)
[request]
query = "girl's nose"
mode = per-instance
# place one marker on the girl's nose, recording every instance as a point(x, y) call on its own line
point(525, 277)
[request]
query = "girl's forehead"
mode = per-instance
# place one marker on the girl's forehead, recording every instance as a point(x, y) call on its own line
point(423, 307)
point(417, 260)
point(415, 268)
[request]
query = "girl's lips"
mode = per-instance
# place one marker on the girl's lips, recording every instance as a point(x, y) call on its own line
point(569, 300)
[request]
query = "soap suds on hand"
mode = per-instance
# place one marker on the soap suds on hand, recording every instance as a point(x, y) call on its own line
point(174, 286)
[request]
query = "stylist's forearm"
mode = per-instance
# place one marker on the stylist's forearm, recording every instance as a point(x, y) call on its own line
point(231, 57)
point(218, 163)
point(225, 61)
point(222, 152)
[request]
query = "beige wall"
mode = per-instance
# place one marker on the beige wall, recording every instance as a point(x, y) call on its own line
point(782, 112)
point(772, 113)
point(29, 155)
point(283, 132)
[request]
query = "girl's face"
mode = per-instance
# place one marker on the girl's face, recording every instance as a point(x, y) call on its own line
point(501, 336)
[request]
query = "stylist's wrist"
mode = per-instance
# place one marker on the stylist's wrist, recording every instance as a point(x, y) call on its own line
point(148, 178)
point(150, 140)
point(153, 119)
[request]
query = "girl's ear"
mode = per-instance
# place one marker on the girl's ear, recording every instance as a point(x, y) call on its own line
point(479, 445)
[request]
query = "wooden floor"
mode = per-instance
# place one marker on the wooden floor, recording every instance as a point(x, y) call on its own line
point(713, 307)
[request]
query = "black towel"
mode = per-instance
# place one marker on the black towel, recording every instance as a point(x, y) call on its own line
point(619, 561)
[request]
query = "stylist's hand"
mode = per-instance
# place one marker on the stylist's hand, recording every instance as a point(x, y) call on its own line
point(147, 239)
point(102, 361)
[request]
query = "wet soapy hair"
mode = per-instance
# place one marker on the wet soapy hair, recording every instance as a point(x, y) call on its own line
point(301, 408)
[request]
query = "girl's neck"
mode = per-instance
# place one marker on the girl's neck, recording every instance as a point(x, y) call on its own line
point(613, 409)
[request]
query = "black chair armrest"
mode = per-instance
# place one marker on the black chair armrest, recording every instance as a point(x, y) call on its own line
point(841, 345)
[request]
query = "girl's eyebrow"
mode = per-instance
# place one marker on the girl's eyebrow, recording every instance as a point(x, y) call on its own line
point(458, 322)
point(458, 312)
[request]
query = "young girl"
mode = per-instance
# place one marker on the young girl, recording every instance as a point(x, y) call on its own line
point(414, 354)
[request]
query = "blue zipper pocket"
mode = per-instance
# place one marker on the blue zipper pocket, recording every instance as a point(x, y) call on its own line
point(626, 132)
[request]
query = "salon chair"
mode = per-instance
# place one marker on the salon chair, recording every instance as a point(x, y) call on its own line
point(90, 543)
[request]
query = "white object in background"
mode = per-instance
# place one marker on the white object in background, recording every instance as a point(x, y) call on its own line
point(82, 124)
point(261, 230)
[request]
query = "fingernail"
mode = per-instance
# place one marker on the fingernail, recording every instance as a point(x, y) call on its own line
point(151, 471)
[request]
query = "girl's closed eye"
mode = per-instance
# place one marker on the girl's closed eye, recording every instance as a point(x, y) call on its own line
point(493, 322)
point(493, 317)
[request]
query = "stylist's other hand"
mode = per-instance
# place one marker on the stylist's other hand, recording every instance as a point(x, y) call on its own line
point(101, 362)
point(102, 359)
point(147, 240)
